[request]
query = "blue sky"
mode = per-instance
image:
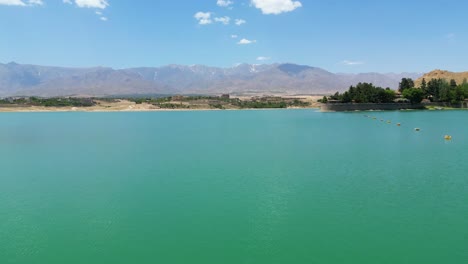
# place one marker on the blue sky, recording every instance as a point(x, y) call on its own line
point(337, 35)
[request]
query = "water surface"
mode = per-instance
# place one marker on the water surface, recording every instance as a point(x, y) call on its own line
point(233, 187)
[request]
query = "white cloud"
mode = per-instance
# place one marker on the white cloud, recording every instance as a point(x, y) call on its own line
point(225, 20)
point(103, 18)
point(234, 36)
point(101, 4)
point(261, 58)
point(224, 3)
point(67, 2)
point(240, 22)
point(12, 2)
point(246, 42)
point(352, 63)
point(99, 13)
point(21, 2)
point(204, 18)
point(36, 2)
point(276, 7)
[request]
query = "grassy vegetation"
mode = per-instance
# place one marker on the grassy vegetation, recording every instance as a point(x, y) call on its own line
point(48, 102)
point(173, 102)
point(214, 102)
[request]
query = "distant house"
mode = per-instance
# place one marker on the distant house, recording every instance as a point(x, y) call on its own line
point(225, 96)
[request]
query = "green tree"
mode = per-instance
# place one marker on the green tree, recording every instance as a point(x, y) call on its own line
point(336, 96)
point(367, 93)
point(324, 100)
point(433, 89)
point(424, 87)
point(406, 83)
point(415, 95)
point(453, 83)
point(346, 98)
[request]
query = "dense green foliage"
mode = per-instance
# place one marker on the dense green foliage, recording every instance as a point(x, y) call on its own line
point(439, 90)
point(415, 95)
point(365, 93)
point(406, 83)
point(49, 102)
point(436, 90)
point(177, 102)
point(261, 104)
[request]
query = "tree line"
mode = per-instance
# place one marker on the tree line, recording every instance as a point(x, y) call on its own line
point(436, 90)
point(364, 93)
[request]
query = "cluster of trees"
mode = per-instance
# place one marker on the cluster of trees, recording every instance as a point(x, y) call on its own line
point(149, 100)
point(49, 102)
point(220, 102)
point(436, 90)
point(267, 103)
point(364, 93)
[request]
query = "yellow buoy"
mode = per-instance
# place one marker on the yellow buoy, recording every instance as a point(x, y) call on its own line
point(448, 137)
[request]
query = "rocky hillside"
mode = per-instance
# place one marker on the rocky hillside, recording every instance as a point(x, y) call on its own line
point(459, 77)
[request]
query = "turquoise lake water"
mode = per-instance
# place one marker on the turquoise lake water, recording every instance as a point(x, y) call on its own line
point(295, 186)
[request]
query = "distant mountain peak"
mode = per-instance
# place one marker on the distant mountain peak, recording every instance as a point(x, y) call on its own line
point(286, 78)
point(12, 63)
point(293, 69)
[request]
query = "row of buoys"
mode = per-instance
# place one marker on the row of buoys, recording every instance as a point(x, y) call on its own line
point(381, 120)
point(417, 129)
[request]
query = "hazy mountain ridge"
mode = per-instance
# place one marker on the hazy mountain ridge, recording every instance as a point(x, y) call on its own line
point(19, 79)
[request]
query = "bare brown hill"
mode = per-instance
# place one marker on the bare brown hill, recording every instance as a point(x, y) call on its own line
point(459, 77)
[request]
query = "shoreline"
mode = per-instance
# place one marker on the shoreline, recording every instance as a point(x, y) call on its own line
point(84, 110)
point(171, 105)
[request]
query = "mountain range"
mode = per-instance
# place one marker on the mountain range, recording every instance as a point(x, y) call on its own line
point(285, 79)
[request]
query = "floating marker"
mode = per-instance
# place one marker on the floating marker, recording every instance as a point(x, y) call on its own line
point(398, 124)
point(417, 129)
point(448, 137)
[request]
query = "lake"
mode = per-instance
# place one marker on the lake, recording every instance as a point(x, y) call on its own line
point(276, 186)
